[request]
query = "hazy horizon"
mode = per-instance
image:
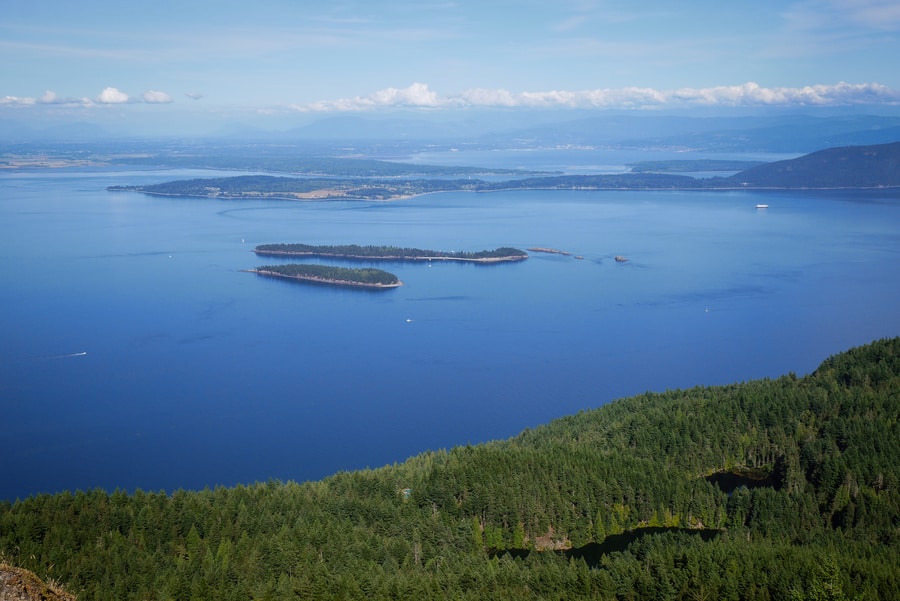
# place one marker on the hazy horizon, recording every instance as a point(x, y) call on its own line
point(194, 68)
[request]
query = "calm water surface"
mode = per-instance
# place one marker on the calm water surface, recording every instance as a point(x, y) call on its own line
point(137, 353)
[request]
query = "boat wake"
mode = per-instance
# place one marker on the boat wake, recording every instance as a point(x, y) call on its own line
point(68, 355)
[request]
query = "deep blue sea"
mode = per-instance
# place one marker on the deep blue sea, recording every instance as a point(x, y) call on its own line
point(137, 353)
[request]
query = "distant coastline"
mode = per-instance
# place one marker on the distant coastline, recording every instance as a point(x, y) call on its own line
point(843, 168)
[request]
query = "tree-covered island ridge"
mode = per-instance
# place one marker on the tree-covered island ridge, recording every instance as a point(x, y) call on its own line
point(849, 167)
point(784, 488)
point(326, 274)
point(389, 253)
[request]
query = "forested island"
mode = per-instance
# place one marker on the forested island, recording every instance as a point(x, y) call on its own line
point(365, 277)
point(326, 274)
point(269, 187)
point(785, 488)
point(850, 167)
point(389, 253)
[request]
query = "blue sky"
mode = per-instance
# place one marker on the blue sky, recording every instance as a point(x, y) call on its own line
point(231, 60)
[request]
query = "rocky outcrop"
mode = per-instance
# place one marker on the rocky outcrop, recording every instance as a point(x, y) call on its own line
point(17, 584)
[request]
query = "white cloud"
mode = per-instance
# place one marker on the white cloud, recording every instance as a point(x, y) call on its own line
point(752, 94)
point(112, 96)
point(487, 97)
point(748, 94)
point(16, 101)
point(419, 95)
point(48, 97)
point(107, 96)
point(154, 97)
point(194, 95)
point(51, 97)
point(416, 95)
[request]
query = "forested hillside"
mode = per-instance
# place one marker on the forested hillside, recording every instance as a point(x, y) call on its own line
point(845, 167)
point(771, 489)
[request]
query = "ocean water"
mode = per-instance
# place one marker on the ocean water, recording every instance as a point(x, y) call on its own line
point(137, 353)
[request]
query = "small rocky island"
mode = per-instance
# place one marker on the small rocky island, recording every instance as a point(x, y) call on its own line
point(389, 253)
point(552, 251)
point(375, 279)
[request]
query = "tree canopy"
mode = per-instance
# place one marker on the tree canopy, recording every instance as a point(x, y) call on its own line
point(620, 502)
point(394, 253)
point(365, 276)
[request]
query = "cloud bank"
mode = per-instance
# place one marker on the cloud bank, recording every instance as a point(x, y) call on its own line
point(108, 95)
point(418, 95)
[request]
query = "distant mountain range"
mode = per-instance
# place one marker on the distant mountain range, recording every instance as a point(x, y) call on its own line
point(774, 134)
point(777, 134)
point(780, 133)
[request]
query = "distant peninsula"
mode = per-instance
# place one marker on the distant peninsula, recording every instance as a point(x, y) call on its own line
point(389, 253)
point(695, 165)
point(327, 274)
point(848, 167)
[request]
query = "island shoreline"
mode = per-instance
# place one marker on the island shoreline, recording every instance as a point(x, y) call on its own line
point(276, 253)
point(326, 281)
point(398, 198)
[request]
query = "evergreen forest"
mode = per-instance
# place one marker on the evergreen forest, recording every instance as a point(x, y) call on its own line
point(365, 276)
point(781, 488)
point(355, 251)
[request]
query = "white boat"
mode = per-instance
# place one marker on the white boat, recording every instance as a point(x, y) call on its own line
point(762, 206)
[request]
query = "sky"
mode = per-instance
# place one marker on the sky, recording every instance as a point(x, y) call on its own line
point(181, 61)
